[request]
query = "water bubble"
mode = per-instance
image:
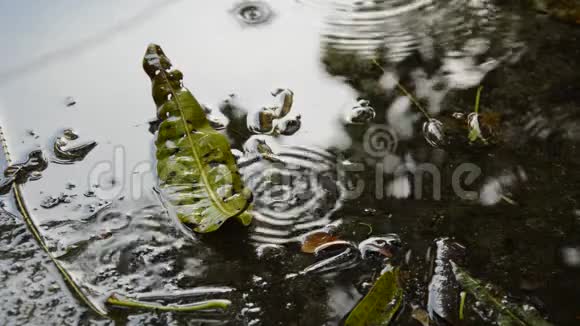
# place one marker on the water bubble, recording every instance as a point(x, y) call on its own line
point(35, 175)
point(369, 212)
point(434, 132)
point(261, 122)
point(286, 99)
point(290, 126)
point(70, 101)
point(70, 134)
point(384, 247)
point(67, 153)
point(268, 251)
point(363, 113)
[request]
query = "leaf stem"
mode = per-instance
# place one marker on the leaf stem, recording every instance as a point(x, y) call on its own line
point(477, 97)
point(411, 97)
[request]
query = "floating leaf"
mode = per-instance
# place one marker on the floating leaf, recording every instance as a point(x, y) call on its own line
point(198, 175)
point(381, 304)
point(509, 313)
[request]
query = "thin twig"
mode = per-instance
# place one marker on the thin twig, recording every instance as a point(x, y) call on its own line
point(411, 97)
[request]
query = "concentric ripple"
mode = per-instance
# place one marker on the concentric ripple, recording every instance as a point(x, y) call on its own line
point(293, 195)
point(396, 28)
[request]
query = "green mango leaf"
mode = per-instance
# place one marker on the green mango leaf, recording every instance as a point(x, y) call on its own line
point(381, 304)
point(198, 176)
point(509, 313)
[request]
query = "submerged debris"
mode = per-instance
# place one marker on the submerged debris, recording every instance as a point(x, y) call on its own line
point(50, 201)
point(89, 194)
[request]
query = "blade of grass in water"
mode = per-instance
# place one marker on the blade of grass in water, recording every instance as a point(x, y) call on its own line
point(123, 301)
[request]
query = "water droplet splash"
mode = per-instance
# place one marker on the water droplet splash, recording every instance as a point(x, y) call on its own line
point(253, 12)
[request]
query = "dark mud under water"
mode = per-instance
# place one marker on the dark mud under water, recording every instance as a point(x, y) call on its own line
point(527, 248)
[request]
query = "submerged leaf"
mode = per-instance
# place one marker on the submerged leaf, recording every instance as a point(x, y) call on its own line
point(509, 313)
point(381, 304)
point(198, 176)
